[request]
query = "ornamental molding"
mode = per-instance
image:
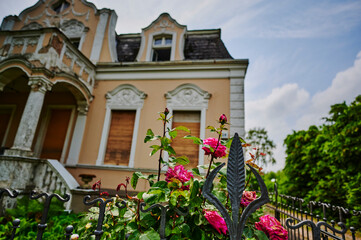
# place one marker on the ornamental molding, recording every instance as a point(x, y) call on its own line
point(125, 95)
point(163, 25)
point(32, 26)
point(18, 41)
point(32, 41)
point(73, 28)
point(83, 107)
point(40, 84)
point(187, 95)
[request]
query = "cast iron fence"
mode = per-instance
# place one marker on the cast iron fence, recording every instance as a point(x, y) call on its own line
point(312, 220)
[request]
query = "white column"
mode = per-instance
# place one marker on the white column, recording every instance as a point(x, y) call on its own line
point(30, 118)
point(237, 106)
point(78, 134)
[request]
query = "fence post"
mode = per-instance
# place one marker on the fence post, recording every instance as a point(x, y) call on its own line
point(277, 213)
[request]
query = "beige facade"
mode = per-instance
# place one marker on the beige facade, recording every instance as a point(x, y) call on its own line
point(73, 90)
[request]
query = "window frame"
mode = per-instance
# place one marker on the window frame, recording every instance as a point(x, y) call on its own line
point(175, 102)
point(116, 101)
point(38, 147)
point(153, 36)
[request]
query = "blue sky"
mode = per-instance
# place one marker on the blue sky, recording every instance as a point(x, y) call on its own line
point(304, 55)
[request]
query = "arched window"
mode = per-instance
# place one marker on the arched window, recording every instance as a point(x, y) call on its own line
point(60, 6)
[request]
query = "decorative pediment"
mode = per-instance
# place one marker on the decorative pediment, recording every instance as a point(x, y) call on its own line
point(32, 26)
point(164, 21)
point(73, 28)
point(125, 95)
point(187, 95)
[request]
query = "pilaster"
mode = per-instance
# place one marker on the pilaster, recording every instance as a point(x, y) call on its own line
point(78, 134)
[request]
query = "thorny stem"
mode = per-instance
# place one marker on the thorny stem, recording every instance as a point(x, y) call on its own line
point(161, 150)
point(210, 163)
point(249, 178)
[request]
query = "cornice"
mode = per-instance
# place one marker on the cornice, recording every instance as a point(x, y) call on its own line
point(173, 70)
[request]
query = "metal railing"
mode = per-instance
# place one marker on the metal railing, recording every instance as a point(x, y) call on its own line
point(311, 220)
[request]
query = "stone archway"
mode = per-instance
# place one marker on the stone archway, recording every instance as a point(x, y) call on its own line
point(63, 113)
point(14, 92)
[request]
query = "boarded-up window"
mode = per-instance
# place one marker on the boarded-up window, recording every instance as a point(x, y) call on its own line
point(5, 115)
point(56, 133)
point(120, 137)
point(186, 147)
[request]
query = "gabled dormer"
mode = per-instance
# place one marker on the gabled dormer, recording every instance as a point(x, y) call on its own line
point(162, 40)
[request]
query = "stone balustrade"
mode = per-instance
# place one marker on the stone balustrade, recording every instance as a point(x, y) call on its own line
point(50, 49)
point(43, 175)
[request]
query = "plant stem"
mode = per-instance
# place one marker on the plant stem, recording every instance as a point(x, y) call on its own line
point(161, 150)
point(210, 163)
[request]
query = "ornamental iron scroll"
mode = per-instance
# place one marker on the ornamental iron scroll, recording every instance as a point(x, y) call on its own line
point(235, 186)
point(102, 204)
point(316, 227)
point(42, 225)
point(163, 215)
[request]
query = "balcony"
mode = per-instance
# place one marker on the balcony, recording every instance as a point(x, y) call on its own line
point(48, 49)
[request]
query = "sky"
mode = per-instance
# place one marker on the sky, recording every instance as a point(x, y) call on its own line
point(304, 55)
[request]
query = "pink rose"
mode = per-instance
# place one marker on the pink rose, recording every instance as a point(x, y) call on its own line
point(272, 228)
point(212, 142)
point(248, 197)
point(278, 233)
point(180, 174)
point(216, 221)
point(223, 119)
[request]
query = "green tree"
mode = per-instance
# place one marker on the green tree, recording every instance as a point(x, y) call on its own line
point(323, 162)
point(261, 144)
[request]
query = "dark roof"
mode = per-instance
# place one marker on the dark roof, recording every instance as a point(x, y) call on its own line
point(205, 47)
point(128, 47)
point(199, 45)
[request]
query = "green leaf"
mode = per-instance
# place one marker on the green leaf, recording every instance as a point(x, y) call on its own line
point(183, 160)
point(150, 132)
point(161, 184)
point(196, 172)
point(182, 128)
point(170, 150)
point(196, 140)
point(165, 141)
point(173, 133)
point(260, 235)
point(186, 230)
point(150, 235)
point(155, 149)
point(136, 176)
point(194, 189)
point(213, 129)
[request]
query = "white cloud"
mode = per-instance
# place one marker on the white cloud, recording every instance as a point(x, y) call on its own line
point(345, 87)
point(275, 112)
point(291, 107)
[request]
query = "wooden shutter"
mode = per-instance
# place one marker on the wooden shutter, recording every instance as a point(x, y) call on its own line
point(120, 137)
point(186, 147)
point(5, 115)
point(56, 133)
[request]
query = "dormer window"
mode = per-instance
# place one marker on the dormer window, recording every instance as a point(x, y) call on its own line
point(162, 46)
point(60, 6)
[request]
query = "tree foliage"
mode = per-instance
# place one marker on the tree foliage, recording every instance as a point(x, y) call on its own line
point(259, 141)
point(323, 163)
